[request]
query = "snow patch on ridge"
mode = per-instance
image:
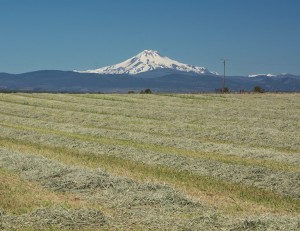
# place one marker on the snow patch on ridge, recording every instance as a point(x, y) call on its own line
point(260, 75)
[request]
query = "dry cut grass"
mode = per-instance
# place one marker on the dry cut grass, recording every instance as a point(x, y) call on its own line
point(124, 162)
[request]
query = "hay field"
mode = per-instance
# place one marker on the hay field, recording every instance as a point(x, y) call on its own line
point(149, 162)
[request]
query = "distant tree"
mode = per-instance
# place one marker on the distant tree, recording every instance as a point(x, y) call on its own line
point(130, 92)
point(226, 90)
point(258, 89)
point(146, 91)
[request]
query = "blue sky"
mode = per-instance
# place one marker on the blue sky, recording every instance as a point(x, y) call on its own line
point(257, 36)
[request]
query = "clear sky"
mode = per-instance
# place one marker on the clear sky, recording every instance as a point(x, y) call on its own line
point(257, 36)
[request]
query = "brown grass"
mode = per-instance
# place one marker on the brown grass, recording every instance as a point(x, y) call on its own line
point(18, 196)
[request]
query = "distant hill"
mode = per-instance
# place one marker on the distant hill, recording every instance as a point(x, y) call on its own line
point(69, 81)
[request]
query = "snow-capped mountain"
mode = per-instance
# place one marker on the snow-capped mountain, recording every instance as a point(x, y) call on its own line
point(149, 60)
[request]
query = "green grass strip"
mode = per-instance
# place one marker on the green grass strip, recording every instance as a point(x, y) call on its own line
point(18, 196)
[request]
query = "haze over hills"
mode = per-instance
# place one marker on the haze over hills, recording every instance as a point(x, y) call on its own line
point(148, 69)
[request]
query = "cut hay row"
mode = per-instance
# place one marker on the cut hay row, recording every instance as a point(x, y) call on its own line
point(234, 157)
point(161, 146)
point(148, 206)
point(127, 126)
point(281, 182)
point(242, 125)
point(222, 195)
point(181, 146)
point(286, 184)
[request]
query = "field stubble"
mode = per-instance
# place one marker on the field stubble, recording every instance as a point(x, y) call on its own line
point(230, 162)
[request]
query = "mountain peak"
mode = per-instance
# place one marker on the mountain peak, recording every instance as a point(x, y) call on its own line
point(150, 52)
point(149, 60)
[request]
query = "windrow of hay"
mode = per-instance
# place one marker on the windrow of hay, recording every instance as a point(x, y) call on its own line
point(211, 191)
point(56, 218)
point(285, 183)
point(145, 204)
point(240, 149)
point(148, 206)
point(99, 187)
point(192, 147)
point(238, 119)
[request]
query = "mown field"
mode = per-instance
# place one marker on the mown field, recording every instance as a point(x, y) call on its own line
point(149, 162)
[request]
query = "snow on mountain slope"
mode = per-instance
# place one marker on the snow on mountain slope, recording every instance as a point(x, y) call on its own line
point(261, 75)
point(148, 60)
